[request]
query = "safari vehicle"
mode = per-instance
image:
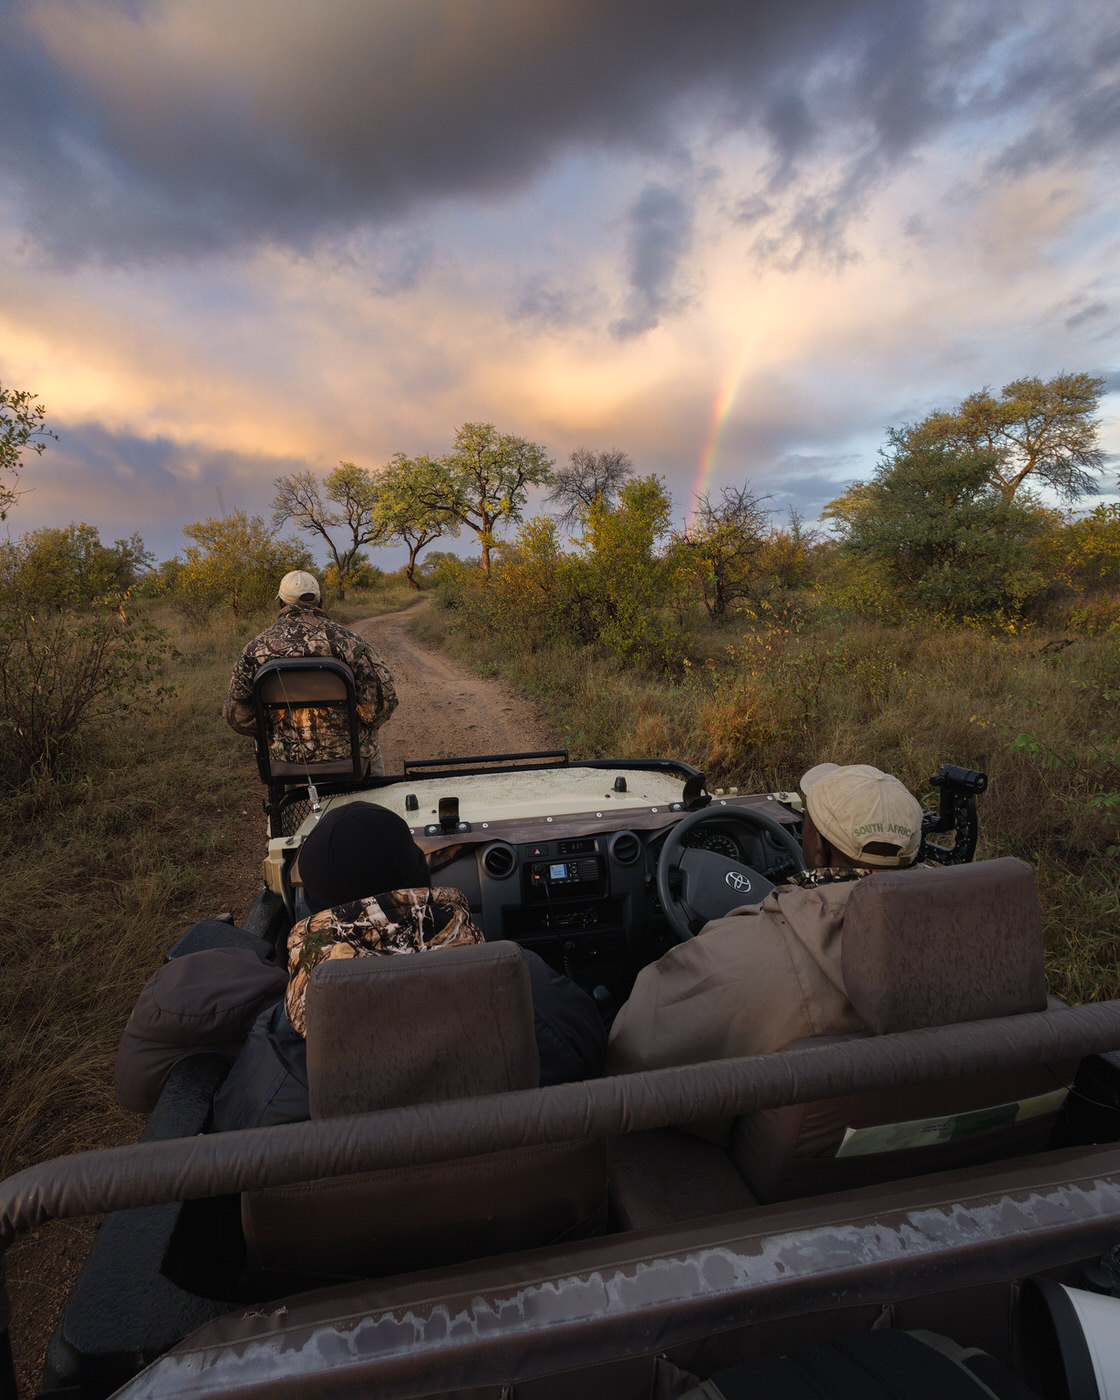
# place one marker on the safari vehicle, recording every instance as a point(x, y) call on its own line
point(470, 1234)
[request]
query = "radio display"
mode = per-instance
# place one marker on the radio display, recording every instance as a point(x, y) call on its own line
point(545, 875)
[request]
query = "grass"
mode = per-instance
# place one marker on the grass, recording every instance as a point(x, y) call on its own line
point(102, 868)
point(762, 702)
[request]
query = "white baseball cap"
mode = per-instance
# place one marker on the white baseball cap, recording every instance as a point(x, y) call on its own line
point(298, 587)
point(858, 806)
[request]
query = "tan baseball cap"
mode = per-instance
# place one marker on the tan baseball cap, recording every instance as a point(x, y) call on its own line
point(858, 806)
point(298, 587)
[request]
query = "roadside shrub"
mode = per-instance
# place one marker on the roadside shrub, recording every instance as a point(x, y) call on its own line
point(62, 672)
point(69, 567)
point(234, 564)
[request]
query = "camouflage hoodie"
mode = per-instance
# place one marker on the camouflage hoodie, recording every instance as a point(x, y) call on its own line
point(312, 734)
point(400, 921)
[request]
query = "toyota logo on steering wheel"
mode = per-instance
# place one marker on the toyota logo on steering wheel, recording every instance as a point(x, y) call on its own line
point(736, 881)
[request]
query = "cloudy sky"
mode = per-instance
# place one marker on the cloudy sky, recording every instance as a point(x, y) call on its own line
point(242, 237)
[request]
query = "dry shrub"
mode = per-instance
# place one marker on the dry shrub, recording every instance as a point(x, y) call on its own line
point(100, 871)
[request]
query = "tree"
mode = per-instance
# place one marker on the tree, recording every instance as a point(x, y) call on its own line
point(1045, 431)
point(346, 500)
point(68, 567)
point(411, 508)
point(942, 531)
point(483, 481)
point(789, 553)
point(588, 478)
point(1093, 547)
point(62, 673)
point(622, 582)
point(21, 430)
point(719, 550)
point(236, 562)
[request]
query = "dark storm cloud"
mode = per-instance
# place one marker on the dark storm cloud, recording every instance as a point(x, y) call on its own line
point(1088, 313)
point(1070, 77)
point(808, 484)
point(660, 235)
point(141, 128)
point(542, 302)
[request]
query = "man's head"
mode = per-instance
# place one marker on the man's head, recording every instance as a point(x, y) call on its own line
point(299, 589)
point(861, 815)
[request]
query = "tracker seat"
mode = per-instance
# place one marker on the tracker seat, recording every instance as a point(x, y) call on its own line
point(388, 1032)
point(921, 947)
point(288, 694)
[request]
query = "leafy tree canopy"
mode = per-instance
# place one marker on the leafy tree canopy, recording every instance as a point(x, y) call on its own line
point(21, 430)
point(945, 535)
point(1042, 430)
point(68, 567)
point(413, 506)
point(484, 480)
point(235, 562)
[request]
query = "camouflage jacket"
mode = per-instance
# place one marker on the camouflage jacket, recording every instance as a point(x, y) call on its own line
point(313, 734)
point(827, 875)
point(401, 921)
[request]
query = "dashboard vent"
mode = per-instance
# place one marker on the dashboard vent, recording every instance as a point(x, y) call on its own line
point(499, 860)
point(625, 848)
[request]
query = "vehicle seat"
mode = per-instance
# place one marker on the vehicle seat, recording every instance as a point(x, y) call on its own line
point(284, 691)
point(387, 1032)
point(922, 947)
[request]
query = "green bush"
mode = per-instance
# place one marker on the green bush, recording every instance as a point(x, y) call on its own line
point(69, 567)
point(234, 564)
point(60, 673)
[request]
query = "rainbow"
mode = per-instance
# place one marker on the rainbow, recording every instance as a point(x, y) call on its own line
point(722, 404)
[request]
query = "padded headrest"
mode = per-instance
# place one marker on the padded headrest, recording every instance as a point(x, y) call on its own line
point(448, 1023)
point(948, 944)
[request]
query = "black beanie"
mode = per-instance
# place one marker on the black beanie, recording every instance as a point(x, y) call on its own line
point(358, 850)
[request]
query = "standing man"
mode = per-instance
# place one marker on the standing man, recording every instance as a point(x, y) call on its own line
point(303, 629)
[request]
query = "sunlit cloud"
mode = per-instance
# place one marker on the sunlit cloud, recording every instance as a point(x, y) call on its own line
point(736, 240)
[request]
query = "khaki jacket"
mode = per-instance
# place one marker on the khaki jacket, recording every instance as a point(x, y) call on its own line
point(747, 984)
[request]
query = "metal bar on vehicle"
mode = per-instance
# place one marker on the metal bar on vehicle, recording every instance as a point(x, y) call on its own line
point(413, 765)
point(117, 1178)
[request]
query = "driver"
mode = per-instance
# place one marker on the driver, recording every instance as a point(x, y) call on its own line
point(768, 974)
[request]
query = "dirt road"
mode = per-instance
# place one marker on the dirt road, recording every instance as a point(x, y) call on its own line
point(445, 710)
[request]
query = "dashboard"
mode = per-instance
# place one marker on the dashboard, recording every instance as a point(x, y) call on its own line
point(587, 902)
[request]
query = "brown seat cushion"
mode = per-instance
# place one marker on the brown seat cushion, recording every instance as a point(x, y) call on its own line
point(385, 1032)
point(936, 947)
point(920, 947)
point(449, 1023)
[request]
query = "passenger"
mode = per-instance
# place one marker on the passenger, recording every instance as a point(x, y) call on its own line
point(303, 629)
point(768, 974)
point(357, 847)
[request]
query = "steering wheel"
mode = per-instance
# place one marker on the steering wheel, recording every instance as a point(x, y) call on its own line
point(710, 884)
